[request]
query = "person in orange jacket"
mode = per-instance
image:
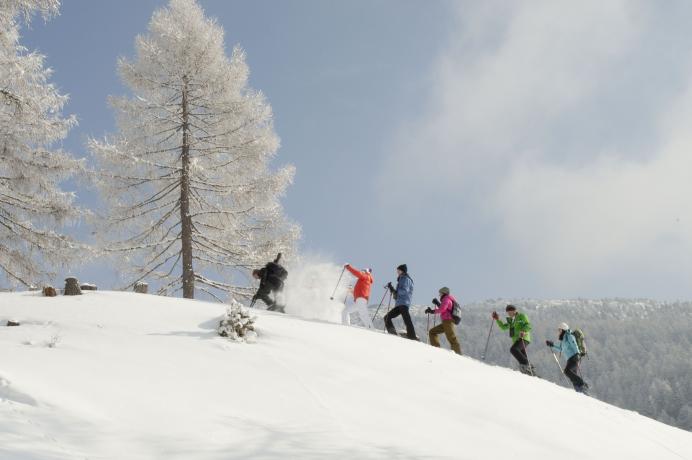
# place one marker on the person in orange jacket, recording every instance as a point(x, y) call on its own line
point(361, 295)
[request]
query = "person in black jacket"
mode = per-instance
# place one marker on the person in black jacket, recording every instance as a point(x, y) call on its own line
point(271, 278)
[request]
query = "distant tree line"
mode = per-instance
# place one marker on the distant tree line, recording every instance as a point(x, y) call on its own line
point(638, 350)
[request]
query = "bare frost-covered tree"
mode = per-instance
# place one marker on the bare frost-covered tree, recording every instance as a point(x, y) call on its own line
point(32, 204)
point(192, 199)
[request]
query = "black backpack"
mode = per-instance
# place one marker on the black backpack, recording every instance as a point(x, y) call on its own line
point(456, 312)
point(276, 270)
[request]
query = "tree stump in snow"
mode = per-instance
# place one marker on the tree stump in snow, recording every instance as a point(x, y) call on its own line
point(141, 287)
point(72, 287)
point(12, 323)
point(49, 291)
point(88, 287)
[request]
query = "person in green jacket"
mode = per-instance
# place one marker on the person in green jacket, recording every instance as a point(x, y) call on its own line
point(520, 331)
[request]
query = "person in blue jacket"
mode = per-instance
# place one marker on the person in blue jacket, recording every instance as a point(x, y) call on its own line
point(403, 294)
point(568, 347)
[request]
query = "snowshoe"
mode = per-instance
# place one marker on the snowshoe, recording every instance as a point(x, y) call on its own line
point(528, 369)
point(277, 308)
point(584, 389)
point(405, 335)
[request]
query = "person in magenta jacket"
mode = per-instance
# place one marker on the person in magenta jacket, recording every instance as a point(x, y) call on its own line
point(361, 295)
point(444, 309)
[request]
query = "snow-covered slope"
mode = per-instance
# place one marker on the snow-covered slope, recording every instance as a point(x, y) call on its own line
point(127, 376)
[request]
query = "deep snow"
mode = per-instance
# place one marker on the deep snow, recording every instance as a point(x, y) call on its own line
point(129, 376)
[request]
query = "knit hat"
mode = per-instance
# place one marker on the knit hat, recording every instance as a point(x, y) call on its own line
point(510, 308)
point(367, 270)
point(444, 290)
point(403, 268)
point(563, 327)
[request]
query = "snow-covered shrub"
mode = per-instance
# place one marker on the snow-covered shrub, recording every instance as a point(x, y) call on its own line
point(238, 324)
point(53, 341)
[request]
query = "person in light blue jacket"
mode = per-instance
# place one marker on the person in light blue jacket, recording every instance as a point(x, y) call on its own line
point(403, 294)
point(569, 348)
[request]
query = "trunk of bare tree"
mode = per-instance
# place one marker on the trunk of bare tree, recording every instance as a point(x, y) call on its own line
point(185, 219)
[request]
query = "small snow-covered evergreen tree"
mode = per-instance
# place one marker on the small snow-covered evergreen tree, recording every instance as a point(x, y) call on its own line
point(187, 177)
point(238, 324)
point(32, 204)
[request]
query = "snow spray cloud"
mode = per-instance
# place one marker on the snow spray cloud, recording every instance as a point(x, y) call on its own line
point(310, 286)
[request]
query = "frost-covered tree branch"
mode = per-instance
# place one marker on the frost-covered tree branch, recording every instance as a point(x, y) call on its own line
point(32, 205)
point(191, 197)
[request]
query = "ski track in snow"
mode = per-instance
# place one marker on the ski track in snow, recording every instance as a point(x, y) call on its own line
point(312, 393)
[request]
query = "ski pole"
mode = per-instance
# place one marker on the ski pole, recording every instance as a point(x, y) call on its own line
point(487, 342)
point(389, 308)
point(557, 361)
point(380, 305)
point(428, 315)
point(337, 283)
point(348, 292)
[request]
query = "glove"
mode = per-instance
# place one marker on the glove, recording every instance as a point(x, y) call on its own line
point(436, 302)
point(429, 310)
point(346, 265)
point(495, 315)
point(390, 287)
point(549, 343)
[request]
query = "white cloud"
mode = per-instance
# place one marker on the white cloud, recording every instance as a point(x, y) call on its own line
point(531, 119)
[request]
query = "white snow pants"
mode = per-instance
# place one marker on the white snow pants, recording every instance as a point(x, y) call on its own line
point(361, 307)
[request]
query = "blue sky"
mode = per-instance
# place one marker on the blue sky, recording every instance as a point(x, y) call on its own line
point(503, 149)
